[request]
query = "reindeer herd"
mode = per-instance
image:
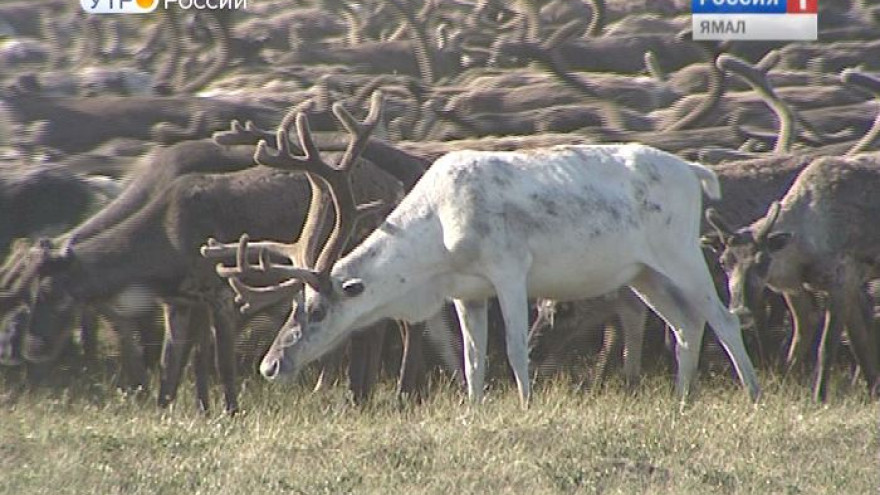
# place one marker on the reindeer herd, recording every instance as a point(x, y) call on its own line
point(320, 181)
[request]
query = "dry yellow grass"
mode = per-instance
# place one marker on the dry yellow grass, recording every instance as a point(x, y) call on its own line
point(91, 439)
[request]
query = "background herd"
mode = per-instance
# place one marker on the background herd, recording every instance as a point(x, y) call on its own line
point(119, 163)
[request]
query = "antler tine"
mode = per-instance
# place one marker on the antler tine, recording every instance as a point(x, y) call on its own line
point(241, 258)
point(302, 274)
point(275, 270)
point(264, 267)
point(215, 250)
point(339, 183)
point(869, 83)
point(361, 130)
point(242, 266)
point(281, 157)
point(237, 134)
point(315, 167)
point(757, 79)
point(255, 298)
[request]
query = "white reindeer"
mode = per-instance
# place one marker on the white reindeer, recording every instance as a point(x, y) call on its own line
point(566, 222)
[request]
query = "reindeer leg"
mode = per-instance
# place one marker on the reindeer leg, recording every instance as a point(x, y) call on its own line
point(805, 321)
point(330, 368)
point(89, 334)
point(632, 314)
point(373, 364)
point(777, 309)
point(365, 356)
point(687, 303)
point(225, 324)
point(204, 358)
point(514, 303)
point(831, 331)
point(610, 345)
point(356, 369)
point(837, 316)
point(860, 330)
point(225, 320)
point(412, 362)
point(474, 319)
point(668, 300)
point(758, 337)
point(176, 348)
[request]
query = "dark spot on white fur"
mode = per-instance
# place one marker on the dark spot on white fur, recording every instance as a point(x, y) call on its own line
point(501, 176)
point(521, 220)
point(389, 228)
point(481, 228)
point(371, 252)
point(651, 207)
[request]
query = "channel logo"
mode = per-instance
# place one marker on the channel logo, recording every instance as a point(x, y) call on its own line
point(119, 6)
point(755, 19)
point(754, 6)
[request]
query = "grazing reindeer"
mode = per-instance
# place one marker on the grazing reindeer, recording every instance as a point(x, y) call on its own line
point(566, 222)
point(558, 323)
point(401, 165)
point(818, 238)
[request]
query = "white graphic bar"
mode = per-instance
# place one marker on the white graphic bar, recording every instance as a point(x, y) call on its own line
point(755, 26)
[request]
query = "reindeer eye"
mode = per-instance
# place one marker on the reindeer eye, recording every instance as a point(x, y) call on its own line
point(317, 314)
point(353, 287)
point(291, 337)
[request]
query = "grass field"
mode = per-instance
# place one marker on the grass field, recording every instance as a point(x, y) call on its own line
point(92, 439)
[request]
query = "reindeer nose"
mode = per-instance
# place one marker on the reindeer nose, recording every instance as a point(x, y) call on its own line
point(270, 369)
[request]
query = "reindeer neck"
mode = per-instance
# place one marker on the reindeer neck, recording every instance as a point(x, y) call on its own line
point(156, 171)
point(112, 260)
point(399, 253)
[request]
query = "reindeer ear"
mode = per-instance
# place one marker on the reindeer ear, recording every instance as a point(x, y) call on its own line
point(353, 287)
point(777, 241)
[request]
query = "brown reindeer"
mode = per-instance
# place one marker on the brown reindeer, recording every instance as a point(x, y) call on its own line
point(816, 239)
point(136, 210)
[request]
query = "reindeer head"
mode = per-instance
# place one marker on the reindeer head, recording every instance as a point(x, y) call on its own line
point(12, 328)
point(305, 336)
point(36, 309)
point(746, 256)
